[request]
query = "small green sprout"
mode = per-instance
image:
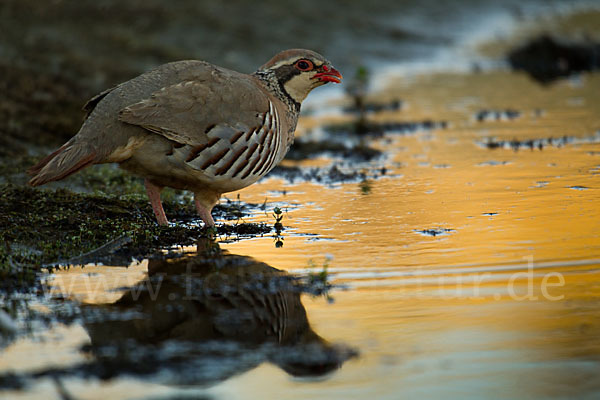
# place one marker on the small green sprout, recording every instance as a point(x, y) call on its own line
point(365, 186)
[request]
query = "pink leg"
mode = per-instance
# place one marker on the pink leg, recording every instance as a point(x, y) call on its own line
point(204, 213)
point(154, 196)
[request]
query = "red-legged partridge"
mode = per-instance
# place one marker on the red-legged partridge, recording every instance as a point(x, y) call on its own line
point(194, 126)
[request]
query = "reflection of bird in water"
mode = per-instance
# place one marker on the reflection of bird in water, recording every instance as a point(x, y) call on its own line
point(205, 317)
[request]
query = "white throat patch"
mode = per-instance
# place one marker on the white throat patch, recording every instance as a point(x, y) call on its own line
point(299, 86)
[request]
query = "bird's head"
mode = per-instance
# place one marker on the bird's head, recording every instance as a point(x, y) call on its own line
point(299, 71)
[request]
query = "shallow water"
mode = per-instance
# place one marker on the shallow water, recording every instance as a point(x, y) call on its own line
point(462, 272)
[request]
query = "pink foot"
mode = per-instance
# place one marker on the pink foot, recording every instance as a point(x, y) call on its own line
point(204, 213)
point(153, 192)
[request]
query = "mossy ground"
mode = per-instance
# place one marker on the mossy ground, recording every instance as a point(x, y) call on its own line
point(43, 227)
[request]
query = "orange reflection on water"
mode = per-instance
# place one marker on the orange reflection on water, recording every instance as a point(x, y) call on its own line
point(500, 205)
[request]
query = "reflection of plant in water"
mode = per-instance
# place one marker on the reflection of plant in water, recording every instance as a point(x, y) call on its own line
point(278, 215)
point(357, 90)
point(318, 280)
point(365, 186)
point(235, 209)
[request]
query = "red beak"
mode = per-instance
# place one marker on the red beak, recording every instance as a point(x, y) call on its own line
point(329, 74)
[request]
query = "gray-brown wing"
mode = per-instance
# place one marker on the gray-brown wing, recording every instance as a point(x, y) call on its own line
point(93, 102)
point(229, 128)
point(185, 112)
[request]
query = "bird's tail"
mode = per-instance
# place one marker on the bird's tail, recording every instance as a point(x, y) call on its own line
point(67, 160)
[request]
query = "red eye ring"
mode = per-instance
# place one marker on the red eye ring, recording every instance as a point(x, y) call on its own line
point(304, 65)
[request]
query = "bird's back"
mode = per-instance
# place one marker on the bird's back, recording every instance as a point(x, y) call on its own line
point(105, 130)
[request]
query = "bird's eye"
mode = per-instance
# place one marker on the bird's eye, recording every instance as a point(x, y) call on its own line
point(304, 65)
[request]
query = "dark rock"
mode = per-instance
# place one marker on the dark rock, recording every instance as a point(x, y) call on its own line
point(546, 58)
point(394, 105)
point(497, 115)
point(371, 128)
point(302, 150)
point(327, 176)
point(434, 231)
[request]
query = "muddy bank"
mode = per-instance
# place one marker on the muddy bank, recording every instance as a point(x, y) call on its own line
point(45, 227)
